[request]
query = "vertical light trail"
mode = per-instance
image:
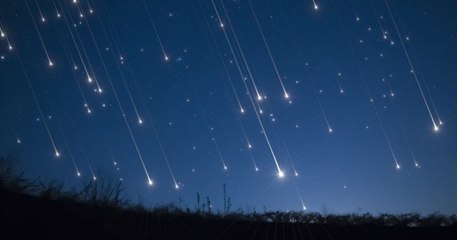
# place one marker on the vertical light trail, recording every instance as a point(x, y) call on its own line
point(259, 97)
point(67, 146)
point(300, 197)
point(4, 35)
point(311, 81)
point(414, 60)
point(221, 24)
point(338, 75)
point(397, 165)
point(116, 37)
point(164, 155)
point(367, 90)
point(58, 15)
point(435, 126)
point(89, 79)
point(18, 140)
point(165, 55)
point(315, 6)
point(124, 117)
point(355, 11)
point(210, 129)
point(50, 63)
point(286, 95)
point(280, 172)
point(43, 19)
point(378, 19)
point(117, 48)
point(229, 78)
point(56, 152)
point(71, 59)
point(89, 163)
point(99, 89)
point(249, 145)
point(89, 65)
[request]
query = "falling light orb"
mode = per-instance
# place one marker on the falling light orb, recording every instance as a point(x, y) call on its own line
point(57, 154)
point(176, 186)
point(436, 128)
point(398, 166)
point(150, 183)
point(78, 174)
point(281, 174)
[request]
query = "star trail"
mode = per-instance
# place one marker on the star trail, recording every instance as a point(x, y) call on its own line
point(322, 105)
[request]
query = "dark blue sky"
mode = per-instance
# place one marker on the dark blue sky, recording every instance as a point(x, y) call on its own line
point(367, 82)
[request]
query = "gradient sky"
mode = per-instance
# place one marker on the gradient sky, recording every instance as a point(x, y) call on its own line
point(354, 108)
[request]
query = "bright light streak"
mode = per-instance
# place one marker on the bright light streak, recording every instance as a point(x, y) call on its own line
point(281, 174)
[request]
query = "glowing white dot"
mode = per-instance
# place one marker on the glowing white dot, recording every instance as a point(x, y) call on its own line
point(330, 130)
point(316, 7)
point(398, 166)
point(140, 121)
point(256, 169)
point(43, 19)
point(58, 15)
point(249, 145)
point(166, 58)
point(150, 183)
point(78, 174)
point(176, 186)
point(259, 97)
point(10, 47)
point(57, 154)
point(416, 165)
point(242, 110)
point(441, 123)
point(281, 174)
point(225, 167)
point(436, 128)
point(51, 64)
point(18, 141)
point(95, 178)
point(286, 95)
point(296, 174)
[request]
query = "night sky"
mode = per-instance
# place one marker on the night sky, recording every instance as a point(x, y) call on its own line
point(336, 106)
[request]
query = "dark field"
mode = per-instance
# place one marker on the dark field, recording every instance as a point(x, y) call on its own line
point(31, 217)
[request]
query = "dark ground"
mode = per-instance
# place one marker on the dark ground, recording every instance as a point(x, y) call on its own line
point(29, 217)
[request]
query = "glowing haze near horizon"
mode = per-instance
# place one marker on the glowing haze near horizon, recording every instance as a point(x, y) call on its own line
point(336, 106)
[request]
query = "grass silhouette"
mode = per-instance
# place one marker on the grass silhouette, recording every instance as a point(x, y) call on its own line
point(35, 209)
